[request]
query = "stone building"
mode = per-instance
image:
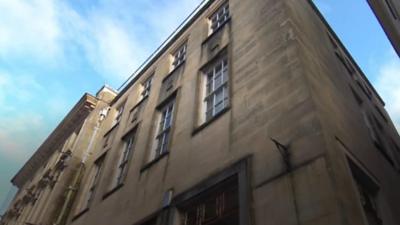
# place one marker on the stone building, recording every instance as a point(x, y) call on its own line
point(388, 14)
point(252, 113)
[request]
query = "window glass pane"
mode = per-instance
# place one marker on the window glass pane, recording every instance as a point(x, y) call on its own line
point(162, 137)
point(166, 141)
point(161, 126)
point(219, 17)
point(216, 98)
point(220, 14)
point(209, 103)
point(209, 85)
point(208, 88)
point(128, 149)
point(219, 96)
point(210, 209)
point(220, 207)
point(179, 56)
point(146, 86)
point(209, 115)
point(231, 200)
point(214, 19)
point(159, 145)
point(218, 107)
point(218, 80)
point(191, 216)
point(225, 76)
point(218, 68)
point(167, 123)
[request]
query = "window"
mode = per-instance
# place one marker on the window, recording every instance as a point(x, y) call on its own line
point(62, 162)
point(356, 96)
point(219, 18)
point(367, 191)
point(381, 113)
point(146, 86)
point(163, 134)
point(345, 61)
point(216, 93)
point(341, 56)
point(219, 205)
point(368, 202)
point(364, 88)
point(179, 56)
point(169, 85)
point(118, 116)
point(372, 131)
point(396, 152)
point(373, 126)
point(134, 114)
point(94, 177)
point(125, 156)
point(108, 138)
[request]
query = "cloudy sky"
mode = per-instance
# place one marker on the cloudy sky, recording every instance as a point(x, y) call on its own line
point(51, 52)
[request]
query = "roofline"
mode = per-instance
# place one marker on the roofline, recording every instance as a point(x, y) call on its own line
point(322, 18)
point(193, 16)
point(187, 22)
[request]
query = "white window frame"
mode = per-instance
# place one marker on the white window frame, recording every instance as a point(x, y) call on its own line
point(134, 114)
point(215, 89)
point(94, 177)
point(219, 17)
point(146, 87)
point(179, 56)
point(126, 154)
point(163, 134)
point(119, 113)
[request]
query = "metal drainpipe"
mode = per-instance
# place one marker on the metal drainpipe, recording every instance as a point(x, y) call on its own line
point(71, 191)
point(89, 148)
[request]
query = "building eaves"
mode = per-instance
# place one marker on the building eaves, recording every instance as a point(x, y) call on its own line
point(71, 121)
point(193, 16)
point(321, 17)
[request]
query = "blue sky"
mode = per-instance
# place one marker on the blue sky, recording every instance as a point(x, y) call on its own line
point(51, 52)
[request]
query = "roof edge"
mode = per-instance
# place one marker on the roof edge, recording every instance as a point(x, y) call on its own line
point(187, 22)
point(85, 105)
point(325, 22)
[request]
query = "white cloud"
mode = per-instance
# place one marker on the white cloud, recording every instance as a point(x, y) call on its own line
point(388, 86)
point(110, 49)
point(23, 125)
point(117, 36)
point(18, 87)
point(20, 134)
point(29, 28)
point(114, 37)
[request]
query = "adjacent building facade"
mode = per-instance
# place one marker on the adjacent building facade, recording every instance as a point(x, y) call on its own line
point(253, 113)
point(388, 14)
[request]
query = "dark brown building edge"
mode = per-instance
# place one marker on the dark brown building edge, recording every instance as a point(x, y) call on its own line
point(302, 135)
point(388, 14)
